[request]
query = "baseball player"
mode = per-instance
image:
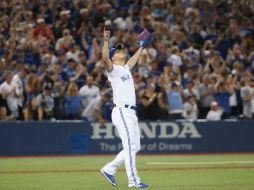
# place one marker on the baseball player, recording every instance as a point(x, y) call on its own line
point(124, 113)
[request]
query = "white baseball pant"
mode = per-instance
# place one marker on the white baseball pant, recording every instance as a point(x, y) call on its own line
point(126, 122)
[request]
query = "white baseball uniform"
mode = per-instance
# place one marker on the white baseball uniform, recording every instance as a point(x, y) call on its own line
point(125, 120)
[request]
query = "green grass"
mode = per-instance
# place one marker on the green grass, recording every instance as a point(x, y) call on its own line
point(82, 173)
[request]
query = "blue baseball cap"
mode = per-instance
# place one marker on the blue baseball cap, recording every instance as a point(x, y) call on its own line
point(111, 53)
point(118, 46)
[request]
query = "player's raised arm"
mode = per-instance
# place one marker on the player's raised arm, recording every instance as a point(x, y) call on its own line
point(134, 59)
point(105, 51)
point(143, 40)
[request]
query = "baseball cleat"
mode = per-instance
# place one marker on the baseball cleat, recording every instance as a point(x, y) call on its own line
point(109, 177)
point(141, 186)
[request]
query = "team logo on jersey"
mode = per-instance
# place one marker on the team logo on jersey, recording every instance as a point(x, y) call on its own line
point(125, 77)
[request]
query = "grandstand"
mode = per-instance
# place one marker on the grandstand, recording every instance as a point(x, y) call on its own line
point(203, 48)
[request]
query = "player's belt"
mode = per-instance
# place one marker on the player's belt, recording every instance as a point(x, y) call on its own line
point(128, 106)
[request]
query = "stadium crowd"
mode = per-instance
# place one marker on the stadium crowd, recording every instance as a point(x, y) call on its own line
point(199, 65)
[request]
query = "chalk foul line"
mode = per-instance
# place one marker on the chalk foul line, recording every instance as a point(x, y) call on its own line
point(202, 163)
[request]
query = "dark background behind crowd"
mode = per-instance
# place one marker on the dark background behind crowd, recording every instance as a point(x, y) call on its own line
point(199, 65)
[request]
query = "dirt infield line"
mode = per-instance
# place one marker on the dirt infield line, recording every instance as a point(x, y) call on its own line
point(108, 155)
point(141, 169)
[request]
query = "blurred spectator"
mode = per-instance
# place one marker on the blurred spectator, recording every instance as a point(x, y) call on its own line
point(222, 90)
point(174, 95)
point(9, 99)
point(89, 91)
point(107, 106)
point(73, 52)
point(17, 81)
point(138, 82)
point(175, 102)
point(59, 91)
point(45, 103)
point(151, 100)
point(162, 55)
point(247, 94)
point(207, 42)
point(206, 95)
point(31, 110)
point(61, 75)
point(93, 54)
point(215, 113)
point(188, 75)
point(63, 21)
point(234, 101)
point(191, 90)
point(63, 43)
point(72, 70)
point(175, 58)
point(31, 91)
point(72, 102)
point(43, 30)
point(190, 108)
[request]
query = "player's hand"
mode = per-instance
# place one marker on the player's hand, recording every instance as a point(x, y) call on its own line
point(144, 38)
point(106, 34)
point(143, 43)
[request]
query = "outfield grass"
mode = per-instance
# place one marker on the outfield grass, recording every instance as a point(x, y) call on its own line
point(200, 172)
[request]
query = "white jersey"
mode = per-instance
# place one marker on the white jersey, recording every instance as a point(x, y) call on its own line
point(12, 100)
point(89, 93)
point(16, 81)
point(122, 85)
point(214, 115)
